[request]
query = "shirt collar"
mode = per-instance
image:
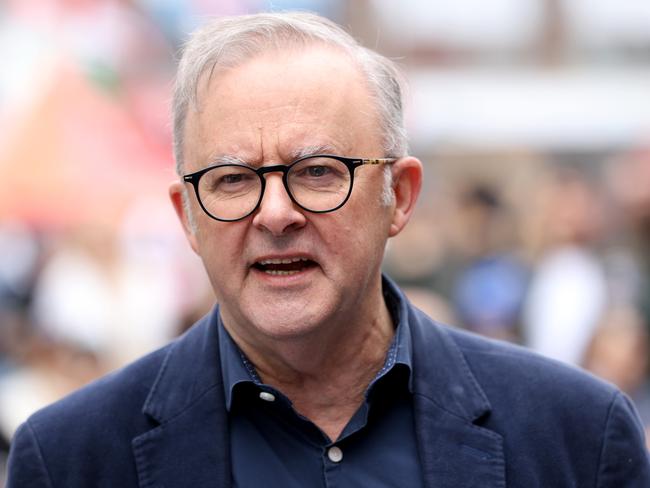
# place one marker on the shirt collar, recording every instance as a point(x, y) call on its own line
point(402, 340)
point(237, 369)
point(401, 349)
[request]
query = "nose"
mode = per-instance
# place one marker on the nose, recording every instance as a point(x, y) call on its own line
point(277, 213)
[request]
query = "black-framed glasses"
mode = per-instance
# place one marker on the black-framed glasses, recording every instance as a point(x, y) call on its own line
point(317, 183)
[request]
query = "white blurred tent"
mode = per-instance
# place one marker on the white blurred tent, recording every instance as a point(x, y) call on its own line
point(576, 109)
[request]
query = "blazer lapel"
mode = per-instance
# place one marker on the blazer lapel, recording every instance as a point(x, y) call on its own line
point(448, 402)
point(454, 453)
point(189, 443)
point(187, 451)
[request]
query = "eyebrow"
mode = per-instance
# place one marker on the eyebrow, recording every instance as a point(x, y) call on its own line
point(294, 155)
point(225, 159)
point(314, 149)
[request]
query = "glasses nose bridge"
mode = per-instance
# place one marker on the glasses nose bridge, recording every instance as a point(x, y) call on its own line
point(278, 168)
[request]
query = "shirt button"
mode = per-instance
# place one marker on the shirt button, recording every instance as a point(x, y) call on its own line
point(335, 454)
point(266, 396)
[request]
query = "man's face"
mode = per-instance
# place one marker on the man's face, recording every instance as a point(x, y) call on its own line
point(265, 112)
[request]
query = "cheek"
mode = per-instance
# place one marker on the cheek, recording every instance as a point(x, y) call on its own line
point(369, 221)
point(220, 248)
point(357, 238)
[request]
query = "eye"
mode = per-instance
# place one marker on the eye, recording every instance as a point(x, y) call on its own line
point(318, 168)
point(317, 171)
point(228, 179)
point(232, 178)
point(316, 176)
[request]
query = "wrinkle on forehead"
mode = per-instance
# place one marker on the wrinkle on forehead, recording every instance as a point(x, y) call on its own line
point(272, 110)
point(288, 157)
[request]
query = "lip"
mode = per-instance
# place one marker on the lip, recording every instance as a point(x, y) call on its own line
point(282, 257)
point(285, 260)
point(278, 276)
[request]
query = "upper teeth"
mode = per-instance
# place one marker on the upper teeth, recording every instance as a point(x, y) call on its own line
point(282, 261)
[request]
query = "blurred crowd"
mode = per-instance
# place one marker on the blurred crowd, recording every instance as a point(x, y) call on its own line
point(539, 236)
point(553, 256)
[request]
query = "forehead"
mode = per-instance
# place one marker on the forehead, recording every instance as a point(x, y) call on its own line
point(280, 102)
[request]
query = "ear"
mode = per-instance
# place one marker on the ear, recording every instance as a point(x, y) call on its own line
point(176, 191)
point(407, 182)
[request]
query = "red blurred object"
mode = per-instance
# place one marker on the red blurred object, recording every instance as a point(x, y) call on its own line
point(79, 156)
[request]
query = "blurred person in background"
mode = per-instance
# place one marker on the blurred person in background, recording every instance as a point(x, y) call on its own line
point(568, 289)
point(314, 369)
point(108, 292)
point(618, 352)
point(628, 177)
point(491, 283)
point(17, 276)
point(415, 256)
point(413, 259)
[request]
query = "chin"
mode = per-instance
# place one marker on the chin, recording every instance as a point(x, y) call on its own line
point(280, 322)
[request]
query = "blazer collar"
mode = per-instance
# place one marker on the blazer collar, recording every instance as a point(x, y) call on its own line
point(188, 445)
point(448, 405)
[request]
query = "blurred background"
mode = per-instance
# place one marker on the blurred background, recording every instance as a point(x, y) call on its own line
point(532, 118)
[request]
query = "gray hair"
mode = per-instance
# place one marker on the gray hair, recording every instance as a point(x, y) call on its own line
point(228, 41)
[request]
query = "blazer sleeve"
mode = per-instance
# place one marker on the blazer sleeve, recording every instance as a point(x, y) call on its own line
point(624, 459)
point(26, 467)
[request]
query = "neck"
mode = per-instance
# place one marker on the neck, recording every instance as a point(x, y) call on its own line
point(326, 375)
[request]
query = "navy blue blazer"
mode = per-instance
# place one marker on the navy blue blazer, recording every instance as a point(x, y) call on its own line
point(487, 414)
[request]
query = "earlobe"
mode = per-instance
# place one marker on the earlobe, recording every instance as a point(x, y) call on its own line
point(407, 183)
point(176, 196)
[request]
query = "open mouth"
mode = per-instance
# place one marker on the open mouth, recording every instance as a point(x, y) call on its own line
point(284, 266)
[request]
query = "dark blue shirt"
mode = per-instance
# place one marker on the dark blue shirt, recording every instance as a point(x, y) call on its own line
point(273, 445)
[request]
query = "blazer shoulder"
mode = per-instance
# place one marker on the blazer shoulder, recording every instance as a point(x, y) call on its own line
point(120, 395)
point(111, 399)
point(557, 414)
point(523, 368)
point(94, 423)
point(99, 422)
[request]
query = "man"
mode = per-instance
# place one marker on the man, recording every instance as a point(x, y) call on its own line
point(314, 370)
